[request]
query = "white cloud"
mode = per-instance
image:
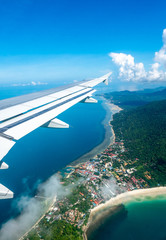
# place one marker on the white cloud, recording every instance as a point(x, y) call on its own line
point(155, 73)
point(29, 84)
point(32, 208)
point(160, 56)
point(122, 59)
point(128, 69)
point(140, 72)
point(131, 71)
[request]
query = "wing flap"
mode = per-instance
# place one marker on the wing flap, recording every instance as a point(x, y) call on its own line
point(5, 192)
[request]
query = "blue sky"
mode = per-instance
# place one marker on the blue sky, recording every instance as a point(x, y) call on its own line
point(61, 39)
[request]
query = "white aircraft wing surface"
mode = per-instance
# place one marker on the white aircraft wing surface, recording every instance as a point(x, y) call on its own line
point(21, 115)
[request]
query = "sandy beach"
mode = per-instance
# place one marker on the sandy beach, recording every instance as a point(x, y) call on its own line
point(135, 195)
point(116, 205)
point(114, 108)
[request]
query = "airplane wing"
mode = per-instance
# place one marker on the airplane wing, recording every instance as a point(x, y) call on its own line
point(21, 115)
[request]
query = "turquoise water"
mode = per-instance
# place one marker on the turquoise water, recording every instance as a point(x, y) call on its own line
point(43, 152)
point(144, 220)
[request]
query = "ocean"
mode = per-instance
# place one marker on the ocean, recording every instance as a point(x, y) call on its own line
point(144, 220)
point(43, 152)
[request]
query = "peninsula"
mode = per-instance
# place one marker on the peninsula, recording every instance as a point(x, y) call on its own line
point(104, 182)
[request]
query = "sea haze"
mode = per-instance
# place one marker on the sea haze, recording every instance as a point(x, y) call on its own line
point(43, 152)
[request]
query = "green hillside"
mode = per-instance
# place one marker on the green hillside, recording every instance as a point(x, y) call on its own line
point(143, 130)
point(129, 100)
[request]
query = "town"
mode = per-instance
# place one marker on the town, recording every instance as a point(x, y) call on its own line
point(89, 184)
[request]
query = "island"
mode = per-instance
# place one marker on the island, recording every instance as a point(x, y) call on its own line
point(133, 165)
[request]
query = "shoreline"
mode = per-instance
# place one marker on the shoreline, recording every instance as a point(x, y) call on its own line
point(135, 195)
point(109, 137)
point(108, 209)
point(101, 218)
point(109, 134)
point(114, 205)
point(25, 234)
point(113, 109)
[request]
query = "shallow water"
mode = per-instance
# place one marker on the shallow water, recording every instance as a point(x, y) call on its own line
point(145, 220)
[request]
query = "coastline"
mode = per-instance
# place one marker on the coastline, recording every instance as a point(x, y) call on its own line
point(49, 208)
point(135, 195)
point(112, 109)
point(116, 204)
point(101, 212)
point(109, 137)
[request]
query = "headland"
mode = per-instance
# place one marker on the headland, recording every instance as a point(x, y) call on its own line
point(99, 186)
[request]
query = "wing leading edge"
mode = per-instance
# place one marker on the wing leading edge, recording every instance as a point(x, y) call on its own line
point(21, 115)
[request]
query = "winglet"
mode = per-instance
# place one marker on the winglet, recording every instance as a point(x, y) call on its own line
point(106, 77)
point(94, 82)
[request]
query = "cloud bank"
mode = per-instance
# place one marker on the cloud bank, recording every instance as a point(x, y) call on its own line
point(32, 209)
point(32, 83)
point(161, 55)
point(129, 70)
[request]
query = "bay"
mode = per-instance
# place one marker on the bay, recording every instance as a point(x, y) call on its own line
point(144, 220)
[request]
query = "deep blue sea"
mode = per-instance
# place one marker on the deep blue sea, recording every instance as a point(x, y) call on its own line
point(43, 152)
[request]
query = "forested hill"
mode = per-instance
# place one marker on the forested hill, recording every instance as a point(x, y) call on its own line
point(129, 100)
point(143, 130)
